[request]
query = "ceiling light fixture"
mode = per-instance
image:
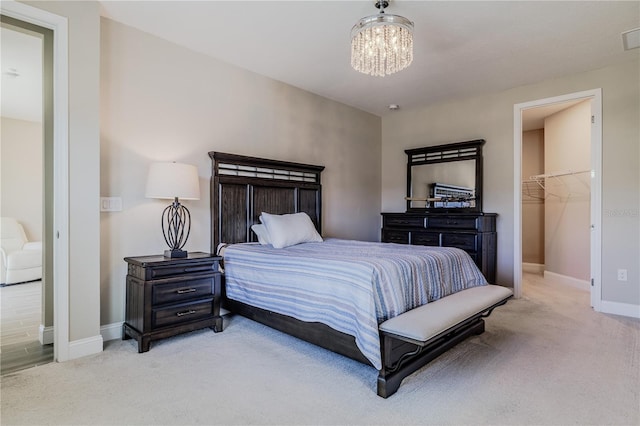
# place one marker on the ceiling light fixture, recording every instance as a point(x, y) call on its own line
point(381, 44)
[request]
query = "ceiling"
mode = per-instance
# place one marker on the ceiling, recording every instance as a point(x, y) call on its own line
point(461, 49)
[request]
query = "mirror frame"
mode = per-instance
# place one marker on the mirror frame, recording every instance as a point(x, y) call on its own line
point(459, 151)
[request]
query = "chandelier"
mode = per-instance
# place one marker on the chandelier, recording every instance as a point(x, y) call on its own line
point(381, 44)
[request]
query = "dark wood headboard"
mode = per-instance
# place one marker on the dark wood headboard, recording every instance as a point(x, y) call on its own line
point(244, 187)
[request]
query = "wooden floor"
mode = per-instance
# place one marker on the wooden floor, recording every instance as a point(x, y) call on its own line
point(20, 318)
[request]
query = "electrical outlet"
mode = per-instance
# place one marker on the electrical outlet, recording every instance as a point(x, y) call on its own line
point(622, 274)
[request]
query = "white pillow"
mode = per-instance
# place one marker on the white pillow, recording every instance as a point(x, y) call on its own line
point(290, 229)
point(261, 232)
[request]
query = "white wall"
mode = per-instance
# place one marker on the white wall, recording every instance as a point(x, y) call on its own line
point(162, 102)
point(21, 174)
point(567, 136)
point(491, 117)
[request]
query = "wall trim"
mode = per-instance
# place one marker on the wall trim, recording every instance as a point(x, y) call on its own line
point(111, 331)
point(533, 268)
point(568, 281)
point(83, 347)
point(617, 308)
point(45, 335)
point(59, 25)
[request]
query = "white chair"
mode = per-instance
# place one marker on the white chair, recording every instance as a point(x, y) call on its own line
point(21, 261)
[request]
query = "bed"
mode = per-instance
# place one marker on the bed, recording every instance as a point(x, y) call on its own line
point(395, 331)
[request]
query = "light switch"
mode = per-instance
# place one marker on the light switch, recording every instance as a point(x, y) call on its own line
point(110, 204)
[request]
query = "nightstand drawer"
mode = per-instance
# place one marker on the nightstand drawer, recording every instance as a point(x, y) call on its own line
point(462, 241)
point(172, 271)
point(182, 313)
point(182, 290)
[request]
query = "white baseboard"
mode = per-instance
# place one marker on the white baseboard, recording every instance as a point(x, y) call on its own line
point(45, 335)
point(111, 331)
point(617, 308)
point(533, 268)
point(108, 332)
point(569, 281)
point(84, 347)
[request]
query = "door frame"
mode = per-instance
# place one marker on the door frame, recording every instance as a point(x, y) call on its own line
point(59, 26)
point(595, 96)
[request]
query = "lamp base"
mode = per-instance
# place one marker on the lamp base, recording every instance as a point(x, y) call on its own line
point(175, 253)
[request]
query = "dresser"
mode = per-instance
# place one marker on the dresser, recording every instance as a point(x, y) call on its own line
point(169, 296)
point(474, 233)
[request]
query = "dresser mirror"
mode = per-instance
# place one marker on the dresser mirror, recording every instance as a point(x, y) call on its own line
point(445, 178)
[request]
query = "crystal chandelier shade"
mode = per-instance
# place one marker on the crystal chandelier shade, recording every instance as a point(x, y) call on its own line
point(382, 44)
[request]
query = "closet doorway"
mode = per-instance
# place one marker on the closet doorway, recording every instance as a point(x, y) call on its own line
point(557, 191)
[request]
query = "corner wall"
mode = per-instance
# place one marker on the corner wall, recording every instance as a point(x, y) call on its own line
point(163, 102)
point(567, 208)
point(491, 117)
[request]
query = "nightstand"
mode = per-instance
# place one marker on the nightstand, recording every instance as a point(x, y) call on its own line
point(169, 296)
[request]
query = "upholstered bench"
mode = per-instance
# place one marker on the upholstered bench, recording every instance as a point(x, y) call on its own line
point(434, 328)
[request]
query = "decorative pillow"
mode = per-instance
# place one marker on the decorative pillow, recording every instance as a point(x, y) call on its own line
point(261, 232)
point(290, 229)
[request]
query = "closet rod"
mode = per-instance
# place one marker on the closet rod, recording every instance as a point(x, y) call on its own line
point(556, 174)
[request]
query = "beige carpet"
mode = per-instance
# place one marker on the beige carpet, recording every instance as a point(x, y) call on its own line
point(545, 359)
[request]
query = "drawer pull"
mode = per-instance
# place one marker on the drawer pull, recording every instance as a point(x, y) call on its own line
point(189, 290)
point(189, 312)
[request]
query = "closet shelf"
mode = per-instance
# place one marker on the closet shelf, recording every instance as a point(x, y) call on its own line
point(536, 186)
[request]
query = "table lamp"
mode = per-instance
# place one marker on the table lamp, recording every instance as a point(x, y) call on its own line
point(174, 181)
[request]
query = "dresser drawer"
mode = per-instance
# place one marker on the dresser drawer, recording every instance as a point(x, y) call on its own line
point(182, 313)
point(452, 223)
point(462, 241)
point(182, 290)
point(403, 221)
point(399, 237)
point(425, 238)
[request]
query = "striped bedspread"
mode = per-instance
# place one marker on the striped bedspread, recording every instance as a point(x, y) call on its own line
point(351, 286)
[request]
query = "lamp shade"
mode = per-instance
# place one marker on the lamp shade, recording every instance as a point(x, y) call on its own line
point(173, 180)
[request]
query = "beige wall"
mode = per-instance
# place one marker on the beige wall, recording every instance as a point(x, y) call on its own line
point(567, 208)
point(532, 197)
point(491, 117)
point(84, 163)
point(21, 174)
point(153, 108)
point(162, 102)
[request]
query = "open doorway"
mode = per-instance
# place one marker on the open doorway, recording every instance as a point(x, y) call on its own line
point(26, 202)
point(557, 189)
point(57, 221)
